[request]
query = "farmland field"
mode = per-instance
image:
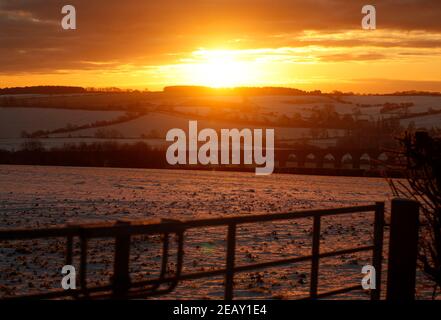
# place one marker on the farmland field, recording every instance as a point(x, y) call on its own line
point(166, 112)
point(46, 196)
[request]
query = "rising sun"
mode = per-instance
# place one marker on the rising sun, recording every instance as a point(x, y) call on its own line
point(220, 68)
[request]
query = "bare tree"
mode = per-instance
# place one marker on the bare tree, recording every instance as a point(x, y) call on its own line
point(421, 161)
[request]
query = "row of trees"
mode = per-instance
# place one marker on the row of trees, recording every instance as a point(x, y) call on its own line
point(325, 117)
point(129, 116)
point(42, 90)
point(103, 154)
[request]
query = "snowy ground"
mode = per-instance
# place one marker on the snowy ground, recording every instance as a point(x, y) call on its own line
point(15, 120)
point(45, 196)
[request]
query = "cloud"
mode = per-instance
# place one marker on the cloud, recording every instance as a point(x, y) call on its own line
point(353, 57)
point(380, 85)
point(137, 34)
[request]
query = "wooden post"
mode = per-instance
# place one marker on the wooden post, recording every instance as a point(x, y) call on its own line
point(378, 250)
point(231, 248)
point(403, 250)
point(69, 250)
point(83, 264)
point(121, 277)
point(315, 256)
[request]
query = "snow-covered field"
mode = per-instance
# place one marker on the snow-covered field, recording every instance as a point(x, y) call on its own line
point(162, 123)
point(32, 196)
point(367, 106)
point(428, 122)
point(13, 121)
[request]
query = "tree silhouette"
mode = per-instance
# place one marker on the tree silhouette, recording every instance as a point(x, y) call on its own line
point(421, 161)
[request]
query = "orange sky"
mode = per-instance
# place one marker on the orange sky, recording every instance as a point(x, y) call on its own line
point(315, 44)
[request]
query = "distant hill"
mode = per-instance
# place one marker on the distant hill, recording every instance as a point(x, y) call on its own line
point(42, 90)
point(251, 91)
point(414, 93)
point(201, 91)
point(278, 91)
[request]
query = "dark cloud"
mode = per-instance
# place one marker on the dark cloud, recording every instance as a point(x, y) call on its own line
point(353, 57)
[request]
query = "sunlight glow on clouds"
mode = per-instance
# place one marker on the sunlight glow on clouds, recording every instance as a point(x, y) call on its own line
point(145, 44)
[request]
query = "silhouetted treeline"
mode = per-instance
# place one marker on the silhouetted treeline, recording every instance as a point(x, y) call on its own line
point(200, 90)
point(141, 155)
point(129, 116)
point(247, 91)
point(414, 93)
point(106, 154)
point(43, 90)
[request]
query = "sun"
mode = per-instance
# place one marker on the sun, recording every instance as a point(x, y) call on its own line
point(219, 68)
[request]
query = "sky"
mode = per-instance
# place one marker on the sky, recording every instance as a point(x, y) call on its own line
point(149, 44)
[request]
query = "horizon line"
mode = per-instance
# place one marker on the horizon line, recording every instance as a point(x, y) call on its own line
point(209, 89)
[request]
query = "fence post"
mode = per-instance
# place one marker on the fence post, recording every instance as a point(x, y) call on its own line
point(378, 250)
point(315, 256)
point(83, 263)
point(403, 250)
point(121, 277)
point(231, 252)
